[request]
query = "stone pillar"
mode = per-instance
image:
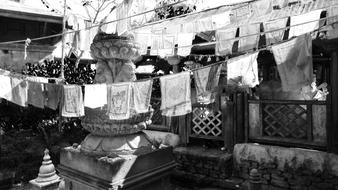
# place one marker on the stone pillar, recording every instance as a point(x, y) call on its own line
point(47, 178)
point(255, 180)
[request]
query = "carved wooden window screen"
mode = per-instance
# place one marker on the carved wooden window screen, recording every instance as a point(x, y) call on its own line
point(206, 123)
point(157, 118)
point(285, 120)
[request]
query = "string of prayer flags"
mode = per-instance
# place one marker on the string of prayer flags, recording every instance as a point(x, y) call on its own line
point(95, 95)
point(277, 36)
point(19, 91)
point(168, 45)
point(72, 101)
point(141, 6)
point(187, 27)
point(36, 94)
point(332, 22)
point(206, 82)
point(280, 3)
point(144, 41)
point(294, 62)
point(53, 95)
point(220, 20)
point(225, 41)
point(261, 7)
point(240, 14)
point(122, 12)
point(243, 71)
point(119, 100)
point(203, 24)
point(176, 94)
point(156, 44)
point(249, 42)
point(184, 42)
point(142, 95)
point(297, 26)
point(37, 79)
point(5, 87)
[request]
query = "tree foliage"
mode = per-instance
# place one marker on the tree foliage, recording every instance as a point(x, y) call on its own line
point(26, 131)
point(172, 10)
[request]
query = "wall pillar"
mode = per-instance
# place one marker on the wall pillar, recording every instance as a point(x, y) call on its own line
point(332, 128)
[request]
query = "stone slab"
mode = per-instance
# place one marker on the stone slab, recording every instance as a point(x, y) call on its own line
point(125, 172)
point(287, 158)
point(198, 151)
point(52, 185)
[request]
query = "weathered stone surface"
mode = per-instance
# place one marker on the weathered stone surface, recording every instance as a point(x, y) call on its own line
point(298, 187)
point(322, 186)
point(287, 168)
point(319, 123)
point(213, 164)
point(280, 183)
point(294, 158)
point(84, 171)
point(168, 139)
point(266, 176)
point(47, 178)
point(277, 188)
point(254, 120)
point(332, 163)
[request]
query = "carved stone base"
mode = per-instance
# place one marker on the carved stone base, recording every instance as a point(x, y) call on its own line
point(98, 123)
point(112, 146)
point(140, 170)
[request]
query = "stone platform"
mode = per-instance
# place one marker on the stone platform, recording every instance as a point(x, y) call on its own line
point(146, 170)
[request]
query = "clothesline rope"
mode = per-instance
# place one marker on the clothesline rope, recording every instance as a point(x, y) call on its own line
point(190, 14)
point(255, 34)
point(93, 26)
point(22, 76)
point(225, 40)
point(267, 47)
point(139, 14)
point(237, 26)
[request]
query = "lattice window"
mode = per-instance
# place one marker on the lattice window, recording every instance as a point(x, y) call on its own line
point(157, 116)
point(206, 122)
point(285, 120)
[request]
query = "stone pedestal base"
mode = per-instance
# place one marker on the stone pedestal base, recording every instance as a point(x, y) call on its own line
point(52, 185)
point(146, 170)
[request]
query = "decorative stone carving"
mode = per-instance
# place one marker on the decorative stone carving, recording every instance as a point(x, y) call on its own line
point(114, 55)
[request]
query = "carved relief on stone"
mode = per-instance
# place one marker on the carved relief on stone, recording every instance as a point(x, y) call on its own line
point(114, 55)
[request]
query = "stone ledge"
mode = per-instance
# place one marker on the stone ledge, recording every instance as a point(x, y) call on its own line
point(200, 165)
point(287, 168)
point(200, 152)
point(287, 158)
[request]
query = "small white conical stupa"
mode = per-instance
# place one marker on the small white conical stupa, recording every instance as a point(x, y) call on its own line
point(47, 176)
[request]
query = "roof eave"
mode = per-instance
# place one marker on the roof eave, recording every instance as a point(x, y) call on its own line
point(31, 16)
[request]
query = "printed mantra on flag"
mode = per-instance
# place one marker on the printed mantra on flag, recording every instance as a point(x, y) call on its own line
point(176, 92)
point(118, 100)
